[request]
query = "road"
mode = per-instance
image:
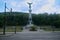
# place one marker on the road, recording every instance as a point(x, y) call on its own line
point(33, 36)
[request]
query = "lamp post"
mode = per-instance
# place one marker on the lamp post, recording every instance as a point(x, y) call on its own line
point(14, 21)
point(4, 20)
point(14, 24)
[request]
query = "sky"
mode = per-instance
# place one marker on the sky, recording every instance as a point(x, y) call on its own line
point(38, 6)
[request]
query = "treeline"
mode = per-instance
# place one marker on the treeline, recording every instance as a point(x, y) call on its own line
point(21, 19)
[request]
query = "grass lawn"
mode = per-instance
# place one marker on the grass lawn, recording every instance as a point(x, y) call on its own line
point(48, 28)
point(11, 29)
point(1, 29)
point(19, 29)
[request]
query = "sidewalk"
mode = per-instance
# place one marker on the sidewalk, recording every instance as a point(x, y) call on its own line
point(7, 34)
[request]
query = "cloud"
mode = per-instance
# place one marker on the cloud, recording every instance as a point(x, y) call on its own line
point(38, 6)
point(48, 6)
point(41, 6)
point(15, 5)
point(58, 9)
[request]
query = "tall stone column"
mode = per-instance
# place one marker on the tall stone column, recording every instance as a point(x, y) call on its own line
point(30, 14)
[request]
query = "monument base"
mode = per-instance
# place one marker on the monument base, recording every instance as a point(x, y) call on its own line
point(28, 26)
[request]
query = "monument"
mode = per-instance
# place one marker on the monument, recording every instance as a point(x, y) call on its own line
point(30, 16)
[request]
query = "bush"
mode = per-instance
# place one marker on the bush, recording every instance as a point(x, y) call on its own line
point(33, 28)
point(21, 28)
